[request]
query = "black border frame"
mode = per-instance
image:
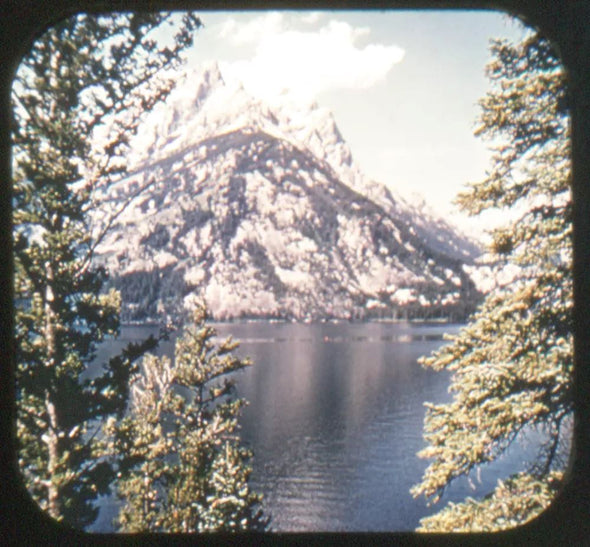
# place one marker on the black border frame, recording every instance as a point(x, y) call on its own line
point(565, 522)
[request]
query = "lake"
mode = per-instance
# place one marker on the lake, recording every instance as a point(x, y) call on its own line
point(335, 420)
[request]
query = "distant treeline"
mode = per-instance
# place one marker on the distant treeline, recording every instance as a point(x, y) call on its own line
point(148, 295)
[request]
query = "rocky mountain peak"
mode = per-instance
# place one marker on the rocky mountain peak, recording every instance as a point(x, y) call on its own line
point(202, 83)
point(261, 211)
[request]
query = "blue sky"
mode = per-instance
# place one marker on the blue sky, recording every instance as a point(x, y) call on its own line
point(403, 85)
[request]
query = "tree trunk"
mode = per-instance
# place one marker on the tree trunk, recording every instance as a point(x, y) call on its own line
point(53, 497)
point(52, 439)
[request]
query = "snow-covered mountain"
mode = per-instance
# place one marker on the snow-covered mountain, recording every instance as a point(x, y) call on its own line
point(260, 211)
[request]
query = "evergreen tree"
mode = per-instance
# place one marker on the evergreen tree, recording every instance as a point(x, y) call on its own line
point(86, 76)
point(186, 470)
point(513, 362)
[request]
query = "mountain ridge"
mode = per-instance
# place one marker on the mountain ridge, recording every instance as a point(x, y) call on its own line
point(263, 215)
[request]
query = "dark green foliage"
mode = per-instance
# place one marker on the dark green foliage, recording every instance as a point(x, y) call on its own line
point(77, 98)
point(513, 363)
point(151, 294)
point(185, 469)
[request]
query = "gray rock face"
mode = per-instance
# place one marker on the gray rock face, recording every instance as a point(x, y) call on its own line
point(260, 211)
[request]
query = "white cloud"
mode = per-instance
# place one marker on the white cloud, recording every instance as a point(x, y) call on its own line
point(242, 33)
point(305, 63)
point(311, 18)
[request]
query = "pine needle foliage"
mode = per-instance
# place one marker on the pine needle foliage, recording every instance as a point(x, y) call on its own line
point(186, 470)
point(512, 363)
point(512, 503)
point(87, 75)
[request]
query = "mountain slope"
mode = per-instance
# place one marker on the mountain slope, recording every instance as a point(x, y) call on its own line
point(261, 211)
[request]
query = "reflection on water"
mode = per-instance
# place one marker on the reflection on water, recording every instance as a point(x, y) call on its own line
point(335, 420)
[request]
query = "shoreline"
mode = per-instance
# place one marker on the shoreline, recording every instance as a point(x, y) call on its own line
point(237, 321)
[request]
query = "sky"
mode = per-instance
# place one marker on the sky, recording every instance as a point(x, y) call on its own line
point(403, 85)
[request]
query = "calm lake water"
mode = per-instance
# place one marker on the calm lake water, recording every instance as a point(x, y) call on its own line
point(335, 420)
